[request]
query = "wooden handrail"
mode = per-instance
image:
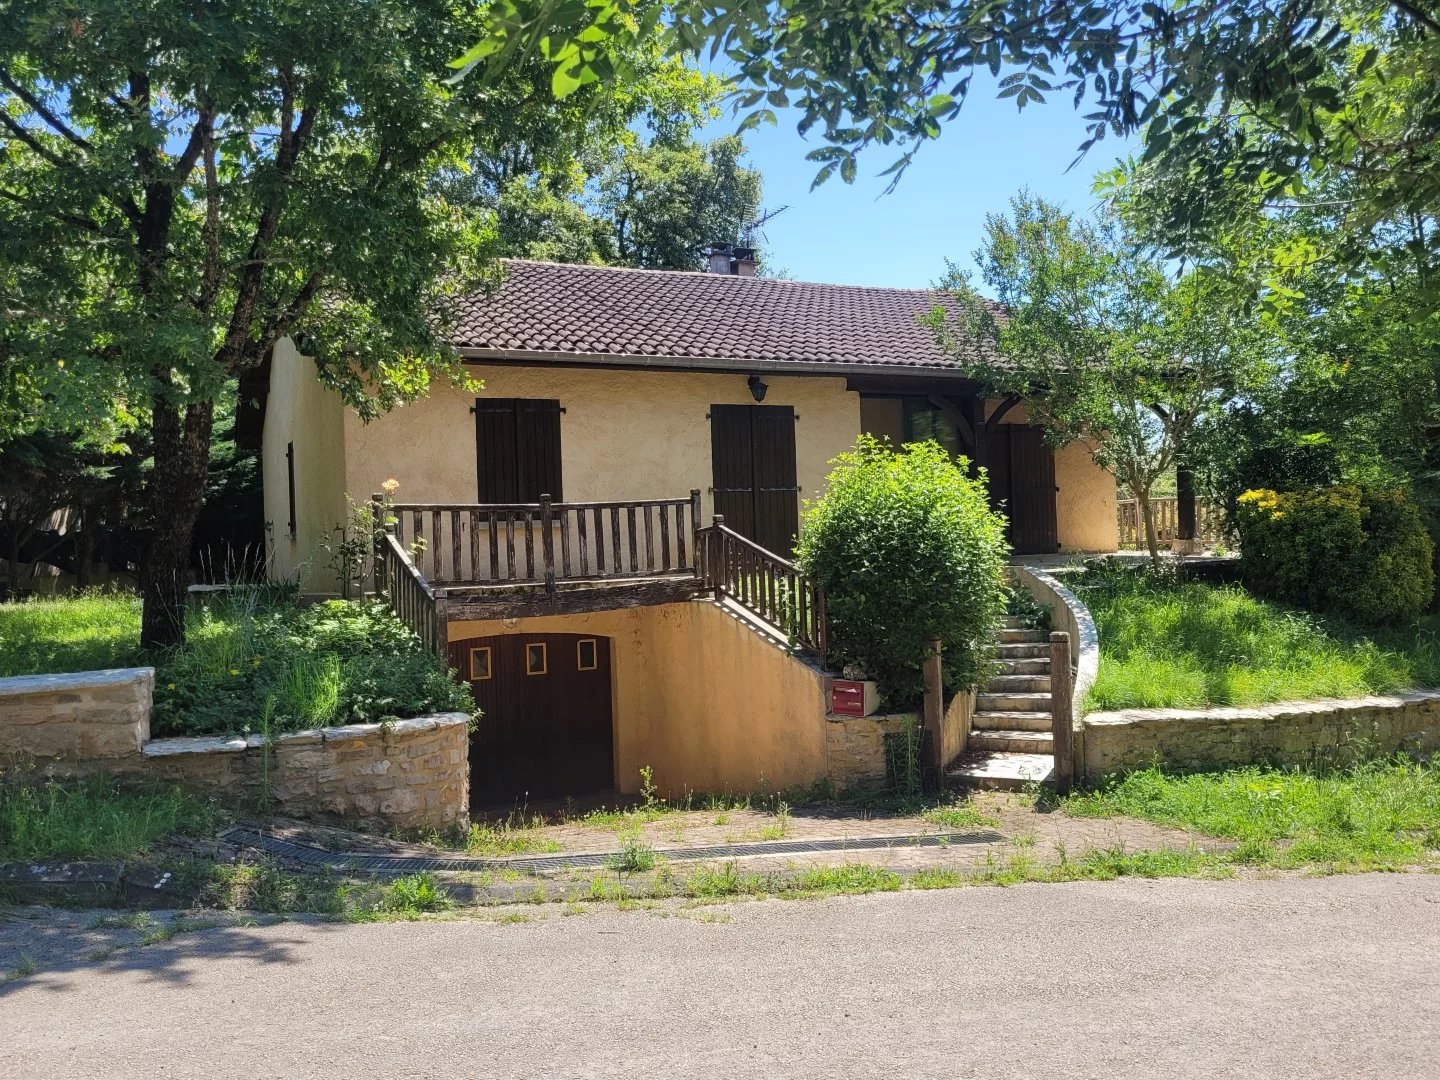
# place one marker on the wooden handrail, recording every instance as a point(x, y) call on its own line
point(773, 588)
point(497, 543)
point(410, 597)
point(1164, 510)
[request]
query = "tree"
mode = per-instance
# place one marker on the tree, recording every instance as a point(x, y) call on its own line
point(1245, 93)
point(180, 187)
point(1103, 343)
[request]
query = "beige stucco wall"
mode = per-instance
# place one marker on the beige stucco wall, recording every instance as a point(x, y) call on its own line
point(699, 696)
point(1085, 497)
point(623, 435)
point(302, 410)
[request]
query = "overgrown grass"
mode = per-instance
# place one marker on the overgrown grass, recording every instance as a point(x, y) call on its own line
point(1165, 643)
point(75, 633)
point(1378, 815)
point(92, 819)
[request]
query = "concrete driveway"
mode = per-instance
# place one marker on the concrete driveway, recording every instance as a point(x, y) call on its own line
point(1260, 978)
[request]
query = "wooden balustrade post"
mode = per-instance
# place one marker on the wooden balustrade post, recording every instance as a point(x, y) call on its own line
point(934, 711)
point(377, 539)
point(718, 555)
point(547, 543)
point(1062, 689)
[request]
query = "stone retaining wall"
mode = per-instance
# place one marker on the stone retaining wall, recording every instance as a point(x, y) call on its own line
point(1288, 734)
point(855, 747)
point(408, 774)
point(97, 715)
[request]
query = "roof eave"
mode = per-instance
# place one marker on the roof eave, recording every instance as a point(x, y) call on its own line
point(705, 363)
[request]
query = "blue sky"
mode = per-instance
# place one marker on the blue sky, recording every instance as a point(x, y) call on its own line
point(855, 235)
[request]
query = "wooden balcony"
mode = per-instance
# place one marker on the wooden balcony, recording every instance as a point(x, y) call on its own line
point(438, 562)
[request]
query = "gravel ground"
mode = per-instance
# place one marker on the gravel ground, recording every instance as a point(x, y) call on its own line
point(1283, 977)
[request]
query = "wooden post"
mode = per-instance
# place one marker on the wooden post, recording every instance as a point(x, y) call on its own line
point(377, 539)
point(934, 714)
point(694, 532)
point(547, 543)
point(1184, 509)
point(716, 553)
point(1061, 723)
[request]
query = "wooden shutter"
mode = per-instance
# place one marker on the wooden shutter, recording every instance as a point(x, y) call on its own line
point(777, 504)
point(517, 449)
point(732, 466)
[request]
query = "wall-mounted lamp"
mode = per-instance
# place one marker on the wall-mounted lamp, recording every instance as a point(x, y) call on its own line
point(757, 387)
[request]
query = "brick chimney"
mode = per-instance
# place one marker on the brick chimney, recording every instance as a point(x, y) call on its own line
point(733, 260)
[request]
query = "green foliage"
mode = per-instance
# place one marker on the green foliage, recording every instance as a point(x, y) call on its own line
point(415, 894)
point(1171, 644)
point(907, 548)
point(88, 632)
point(96, 818)
point(1377, 814)
point(1020, 603)
point(1361, 553)
point(331, 663)
point(1129, 357)
point(634, 856)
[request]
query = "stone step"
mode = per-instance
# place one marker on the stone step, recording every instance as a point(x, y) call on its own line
point(1032, 665)
point(1002, 771)
point(1010, 683)
point(1006, 702)
point(1011, 622)
point(1013, 740)
point(1005, 721)
point(1020, 650)
point(1020, 634)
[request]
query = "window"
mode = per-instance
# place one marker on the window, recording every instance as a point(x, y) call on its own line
point(535, 658)
point(586, 658)
point(517, 449)
point(480, 664)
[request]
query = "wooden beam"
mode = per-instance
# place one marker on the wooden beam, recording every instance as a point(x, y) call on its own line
point(952, 412)
point(1005, 406)
point(569, 599)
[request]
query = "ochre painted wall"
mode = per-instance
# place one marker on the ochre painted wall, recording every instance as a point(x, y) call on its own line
point(700, 697)
point(623, 435)
point(302, 410)
point(1085, 502)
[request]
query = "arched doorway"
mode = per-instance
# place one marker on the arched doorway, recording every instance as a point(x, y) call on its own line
point(546, 730)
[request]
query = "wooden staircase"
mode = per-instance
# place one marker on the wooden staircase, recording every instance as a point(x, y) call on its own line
point(1010, 744)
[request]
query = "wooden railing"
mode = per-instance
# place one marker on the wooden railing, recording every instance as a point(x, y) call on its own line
point(773, 588)
point(410, 597)
point(1165, 512)
point(547, 542)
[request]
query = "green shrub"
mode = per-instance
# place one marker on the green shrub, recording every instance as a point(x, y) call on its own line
point(336, 662)
point(906, 547)
point(1361, 553)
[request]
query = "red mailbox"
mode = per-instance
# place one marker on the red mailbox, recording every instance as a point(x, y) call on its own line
point(853, 697)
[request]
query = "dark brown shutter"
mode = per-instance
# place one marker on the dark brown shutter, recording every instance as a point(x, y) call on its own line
point(517, 449)
point(732, 466)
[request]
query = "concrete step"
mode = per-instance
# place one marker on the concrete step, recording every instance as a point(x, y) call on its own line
point(1023, 650)
point(1011, 720)
point(1002, 771)
point(1006, 702)
point(1033, 665)
point(1017, 684)
point(1020, 634)
point(1014, 741)
point(1011, 622)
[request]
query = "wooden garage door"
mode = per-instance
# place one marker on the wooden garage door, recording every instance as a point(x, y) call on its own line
point(546, 729)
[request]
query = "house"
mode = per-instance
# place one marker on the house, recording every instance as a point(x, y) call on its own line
point(565, 514)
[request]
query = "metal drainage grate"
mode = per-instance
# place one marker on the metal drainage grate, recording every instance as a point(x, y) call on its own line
point(409, 864)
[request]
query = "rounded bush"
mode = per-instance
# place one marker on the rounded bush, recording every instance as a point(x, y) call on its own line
point(906, 548)
point(1360, 553)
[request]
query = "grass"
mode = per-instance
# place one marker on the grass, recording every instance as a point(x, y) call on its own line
point(93, 819)
point(1375, 816)
point(78, 633)
point(516, 835)
point(1171, 644)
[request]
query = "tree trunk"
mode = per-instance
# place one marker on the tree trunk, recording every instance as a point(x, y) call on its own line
point(177, 491)
point(1142, 507)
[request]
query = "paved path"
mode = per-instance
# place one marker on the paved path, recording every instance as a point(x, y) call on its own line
point(1259, 978)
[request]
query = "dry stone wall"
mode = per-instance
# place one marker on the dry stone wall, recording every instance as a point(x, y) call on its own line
point(1288, 734)
point(408, 774)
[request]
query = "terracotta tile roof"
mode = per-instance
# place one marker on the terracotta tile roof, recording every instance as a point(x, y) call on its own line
point(558, 310)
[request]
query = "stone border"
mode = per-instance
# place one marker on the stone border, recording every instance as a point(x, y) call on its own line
point(1287, 733)
point(1074, 618)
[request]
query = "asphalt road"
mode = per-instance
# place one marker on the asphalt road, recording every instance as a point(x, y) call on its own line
point(1268, 978)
